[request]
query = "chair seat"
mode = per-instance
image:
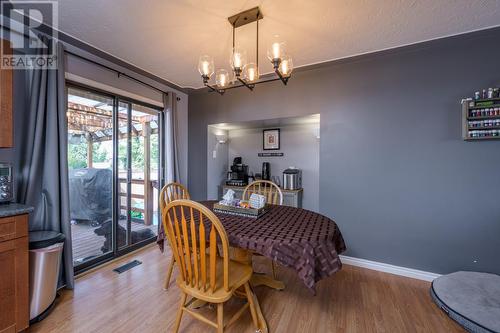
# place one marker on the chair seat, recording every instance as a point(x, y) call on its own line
point(239, 274)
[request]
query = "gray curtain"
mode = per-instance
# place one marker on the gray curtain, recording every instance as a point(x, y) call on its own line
point(172, 170)
point(43, 182)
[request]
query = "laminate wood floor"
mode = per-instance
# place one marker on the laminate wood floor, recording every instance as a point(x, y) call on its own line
point(353, 300)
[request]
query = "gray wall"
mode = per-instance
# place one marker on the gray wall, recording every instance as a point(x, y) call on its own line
point(216, 167)
point(395, 174)
point(300, 148)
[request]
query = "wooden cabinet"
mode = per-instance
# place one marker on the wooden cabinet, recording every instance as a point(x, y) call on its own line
point(291, 198)
point(14, 279)
point(6, 116)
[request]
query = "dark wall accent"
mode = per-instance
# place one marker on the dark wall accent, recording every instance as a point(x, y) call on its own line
point(395, 173)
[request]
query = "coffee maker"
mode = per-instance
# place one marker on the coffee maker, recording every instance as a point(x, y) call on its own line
point(238, 176)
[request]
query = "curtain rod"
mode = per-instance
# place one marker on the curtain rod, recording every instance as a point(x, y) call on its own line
point(116, 71)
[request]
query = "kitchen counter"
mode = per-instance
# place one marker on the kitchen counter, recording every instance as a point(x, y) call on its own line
point(243, 187)
point(13, 209)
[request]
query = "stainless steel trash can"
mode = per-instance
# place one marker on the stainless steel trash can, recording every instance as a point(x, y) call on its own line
point(45, 259)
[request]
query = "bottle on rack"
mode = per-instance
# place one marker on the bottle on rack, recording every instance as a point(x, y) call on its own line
point(490, 92)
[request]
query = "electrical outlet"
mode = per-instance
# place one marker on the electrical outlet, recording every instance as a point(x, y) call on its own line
point(214, 154)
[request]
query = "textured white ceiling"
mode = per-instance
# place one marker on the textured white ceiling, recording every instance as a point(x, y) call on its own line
point(166, 38)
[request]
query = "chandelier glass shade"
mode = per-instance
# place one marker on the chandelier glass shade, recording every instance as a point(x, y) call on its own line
point(251, 72)
point(286, 66)
point(222, 78)
point(245, 72)
point(206, 66)
point(238, 58)
point(276, 50)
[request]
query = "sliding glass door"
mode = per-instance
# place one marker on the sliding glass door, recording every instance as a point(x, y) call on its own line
point(138, 173)
point(90, 162)
point(114, 171)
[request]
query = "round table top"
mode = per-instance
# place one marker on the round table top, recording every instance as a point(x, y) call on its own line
point(294, 237)
point(280, 223)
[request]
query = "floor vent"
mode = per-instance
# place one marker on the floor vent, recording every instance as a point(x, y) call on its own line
point(127, 266)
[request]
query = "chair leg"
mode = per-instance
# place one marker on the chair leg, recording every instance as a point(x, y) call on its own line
point(248, 291)
point(220, 318)
point(169, 272)
point(273, 265)
point(179, 313)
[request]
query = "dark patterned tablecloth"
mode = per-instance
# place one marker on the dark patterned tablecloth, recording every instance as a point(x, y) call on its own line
point(298, 238)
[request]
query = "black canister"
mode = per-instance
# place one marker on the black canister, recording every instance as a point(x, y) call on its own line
point(266, 171)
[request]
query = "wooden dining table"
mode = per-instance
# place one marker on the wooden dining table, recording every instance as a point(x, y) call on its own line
point(303, 240)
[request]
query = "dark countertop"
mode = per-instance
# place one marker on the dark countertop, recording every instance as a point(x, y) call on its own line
point(14, 209)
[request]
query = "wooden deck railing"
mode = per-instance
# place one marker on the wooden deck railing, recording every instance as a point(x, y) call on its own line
point(147, 197)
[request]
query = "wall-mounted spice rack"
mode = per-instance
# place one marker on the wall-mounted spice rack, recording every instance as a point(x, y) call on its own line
point(481, 118)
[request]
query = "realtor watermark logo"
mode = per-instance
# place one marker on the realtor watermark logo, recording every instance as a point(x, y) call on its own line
point(22, 21)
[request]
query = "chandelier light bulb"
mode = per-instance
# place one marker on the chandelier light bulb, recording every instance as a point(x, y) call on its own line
point(251, 72)
point(276, 50)
point(222, 78)
point(238, 59)
point(206, 66)
point(286, 66)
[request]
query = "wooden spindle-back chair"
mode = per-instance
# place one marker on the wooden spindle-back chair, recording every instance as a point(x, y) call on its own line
point(270, 190)
point(194, 233)
point(173, 191)
point(273, 195)
point(170, 192)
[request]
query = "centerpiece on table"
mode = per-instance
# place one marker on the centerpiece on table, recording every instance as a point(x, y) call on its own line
point(255, 207)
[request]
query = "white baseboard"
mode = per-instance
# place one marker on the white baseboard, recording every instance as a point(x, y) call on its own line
point(397, 270)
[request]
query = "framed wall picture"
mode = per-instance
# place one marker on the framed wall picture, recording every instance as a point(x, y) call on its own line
point(271, 139)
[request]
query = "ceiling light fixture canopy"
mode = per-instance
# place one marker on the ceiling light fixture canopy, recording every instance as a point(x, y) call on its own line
point(246, 73)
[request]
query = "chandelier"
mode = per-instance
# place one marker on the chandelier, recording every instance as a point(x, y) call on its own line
point(243, 73)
